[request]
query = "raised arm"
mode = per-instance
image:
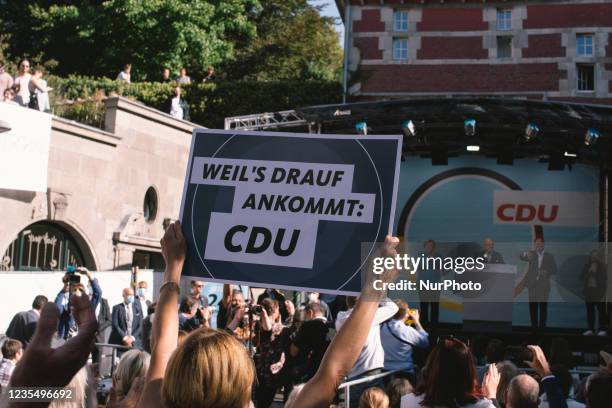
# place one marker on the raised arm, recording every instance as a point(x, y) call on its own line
point(347, 344)
point(165, 325)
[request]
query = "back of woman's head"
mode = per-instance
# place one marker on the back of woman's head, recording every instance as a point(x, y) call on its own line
point(507, 371)
point(133, 364)
point(374, 397)
point(211, 369)
point(78, 387)
point(396, 389)
point(450, 376)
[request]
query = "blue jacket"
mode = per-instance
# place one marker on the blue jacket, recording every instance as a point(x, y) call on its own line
point(66, 320)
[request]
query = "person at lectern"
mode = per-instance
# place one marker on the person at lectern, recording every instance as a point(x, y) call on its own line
point(541, 267)
point(490, 255)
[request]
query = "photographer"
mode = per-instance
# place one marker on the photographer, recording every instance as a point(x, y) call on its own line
point(240, 321)
point(72, 285)
point(232, 299)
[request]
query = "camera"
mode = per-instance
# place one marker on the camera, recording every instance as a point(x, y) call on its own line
point(255, 309)
point(73, 277)
point(518, 354)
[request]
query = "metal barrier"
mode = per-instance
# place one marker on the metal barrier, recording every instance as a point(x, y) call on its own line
point(347, 384)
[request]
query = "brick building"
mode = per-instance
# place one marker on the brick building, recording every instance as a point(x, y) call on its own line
point(535, 49)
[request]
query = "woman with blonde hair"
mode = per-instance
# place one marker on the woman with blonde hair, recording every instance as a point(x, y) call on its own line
point(133, 364)
point(374, 397)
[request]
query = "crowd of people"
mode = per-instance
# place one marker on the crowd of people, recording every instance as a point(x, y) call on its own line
point(26, 88)
point(172, 357)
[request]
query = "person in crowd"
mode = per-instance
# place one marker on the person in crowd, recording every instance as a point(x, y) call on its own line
point(183, 78)
point(21, 83)
point(372, 358)
point(270, 358)
point(566, 382)
point(241, 321)
point(6, 80)
point(315, 297)
point(197, 289)
point(12, 351)
point(599, 391)
point(141, 295)
point(147, 325)
point(430, 299)
point(133, 364)
point(44, 366)
point(210, 74)
point(309, 343)
point(127, 321)
point(190, 317)
point(398, 341)
point(105, 325)
point(507, 371)
point(39, 92)
point(9, 96)
point(177, 106)
point(490, 255)
point(166, 76)
point(277, 295)
point(595, 282)
point(125, 75)
point(82, 389)
point(374, 397)
point(23, 324)
point(541, 267)
point(231, 300)
point(397, 388)
point(67, 327)
point(494, 353)
point(449, 379)
point(523, 392)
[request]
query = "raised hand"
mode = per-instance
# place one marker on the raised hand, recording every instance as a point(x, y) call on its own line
point(490, 382)
point(43, 366)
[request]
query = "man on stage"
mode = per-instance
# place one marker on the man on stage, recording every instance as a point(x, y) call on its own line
point(537, 280)
point(490, 255)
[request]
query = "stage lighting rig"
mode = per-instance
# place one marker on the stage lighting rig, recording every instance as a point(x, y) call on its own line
point(409, 128)
point(469, 125)
point(362, 128)
point(531, 132)
point(591, 137)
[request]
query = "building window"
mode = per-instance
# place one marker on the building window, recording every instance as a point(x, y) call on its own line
point(149, 207)
point(584, 45)
point(400, 21)
point(504, 47)
point(400, 49)
point(504, 19)
point(585, 75)
point(42, 246)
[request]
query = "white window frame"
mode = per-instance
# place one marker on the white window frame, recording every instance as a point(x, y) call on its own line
point(400, 52)
point(400, 20)
point(505, 22)
point(579, 80)
point(585, 45)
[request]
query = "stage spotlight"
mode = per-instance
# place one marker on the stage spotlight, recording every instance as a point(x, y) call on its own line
point(362, 128)
point(469, 125)
point(531, 132)
point(409, 128)
point(472, 148)
point(591, 137)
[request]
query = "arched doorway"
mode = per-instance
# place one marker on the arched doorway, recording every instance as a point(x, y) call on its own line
point(44, 246)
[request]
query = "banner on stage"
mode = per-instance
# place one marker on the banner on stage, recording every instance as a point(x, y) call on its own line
point(287, 210)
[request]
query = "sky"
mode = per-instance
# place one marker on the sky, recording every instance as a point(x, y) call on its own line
point(329, 9)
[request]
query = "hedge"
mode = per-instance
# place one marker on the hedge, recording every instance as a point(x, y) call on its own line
point(209, 103)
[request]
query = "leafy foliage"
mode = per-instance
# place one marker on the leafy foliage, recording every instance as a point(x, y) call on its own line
point(94, 37)
point(209, 103)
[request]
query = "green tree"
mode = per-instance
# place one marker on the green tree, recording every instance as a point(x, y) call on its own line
point(95, 37)
point(293, 41)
